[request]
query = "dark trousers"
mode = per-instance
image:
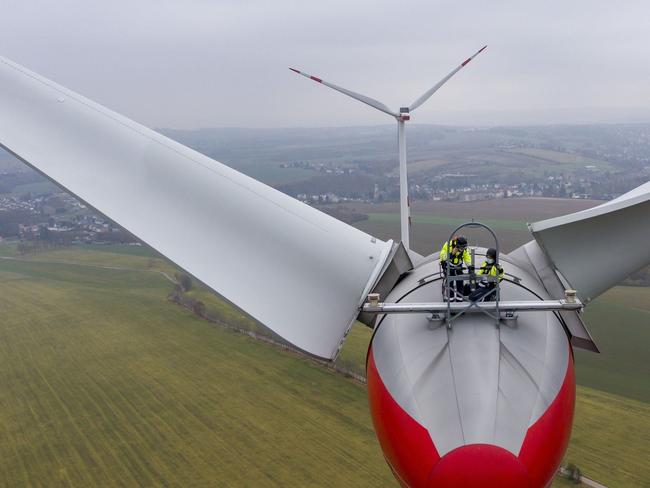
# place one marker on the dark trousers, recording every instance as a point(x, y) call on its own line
point(458, 285)
point(483, 291)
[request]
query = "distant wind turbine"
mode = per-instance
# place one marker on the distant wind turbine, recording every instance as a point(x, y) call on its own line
point(402, 116)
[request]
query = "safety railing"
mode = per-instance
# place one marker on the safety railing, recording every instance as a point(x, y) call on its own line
point(489, 303)
point(494, 294)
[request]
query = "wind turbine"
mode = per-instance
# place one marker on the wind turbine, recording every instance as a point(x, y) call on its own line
point(479, 404)
point(401, 117)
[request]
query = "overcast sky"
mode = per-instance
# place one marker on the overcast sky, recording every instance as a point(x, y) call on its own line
point(219, 63)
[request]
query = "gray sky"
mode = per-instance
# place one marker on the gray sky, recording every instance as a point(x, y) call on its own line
point(201, 63)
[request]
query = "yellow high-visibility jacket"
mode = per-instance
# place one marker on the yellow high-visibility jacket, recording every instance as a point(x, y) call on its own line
point(456, 258)
point(490, 270)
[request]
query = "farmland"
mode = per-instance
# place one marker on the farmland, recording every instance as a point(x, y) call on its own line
point(551, 161)
point(107, 383)
point(619, 320)
point(610, 441)
point(434, 221)
point(483, 162)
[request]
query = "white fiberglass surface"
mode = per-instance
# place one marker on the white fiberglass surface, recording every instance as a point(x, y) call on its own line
point(475, 383)
point(617, 231)
point(299, 271)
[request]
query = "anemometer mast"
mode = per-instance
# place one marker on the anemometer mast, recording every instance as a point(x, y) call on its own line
point(402, 116)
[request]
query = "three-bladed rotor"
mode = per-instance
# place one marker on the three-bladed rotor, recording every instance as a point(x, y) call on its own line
point(403, 115)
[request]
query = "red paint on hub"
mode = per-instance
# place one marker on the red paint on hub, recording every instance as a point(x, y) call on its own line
point(406, 444)
point(547, 439)
point(415, 462)
point(479, 465)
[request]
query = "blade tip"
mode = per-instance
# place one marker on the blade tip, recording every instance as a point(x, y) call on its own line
point(294, 70)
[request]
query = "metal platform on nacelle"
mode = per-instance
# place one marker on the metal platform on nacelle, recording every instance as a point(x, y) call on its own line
point(500, 310)
point(469, 307)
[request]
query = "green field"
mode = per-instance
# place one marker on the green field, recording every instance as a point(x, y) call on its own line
point(107, 383)
point(490, 161)
point(610, 441)
point(434, 221)
point(427, 237)
point(567, 160)
point(619, 320)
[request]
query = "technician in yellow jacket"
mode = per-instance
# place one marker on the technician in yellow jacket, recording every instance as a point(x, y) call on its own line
point(454, 255)
point(485, 289)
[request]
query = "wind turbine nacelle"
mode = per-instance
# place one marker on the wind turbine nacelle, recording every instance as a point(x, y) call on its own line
point(404, 114)
point(476, 404)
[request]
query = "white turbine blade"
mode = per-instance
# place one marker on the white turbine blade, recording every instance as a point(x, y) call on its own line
point(597, 248)
point(299, 271)
point(357, 96)
point(435, 87)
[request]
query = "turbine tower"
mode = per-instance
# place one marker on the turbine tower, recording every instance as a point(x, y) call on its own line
point(401, 117)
